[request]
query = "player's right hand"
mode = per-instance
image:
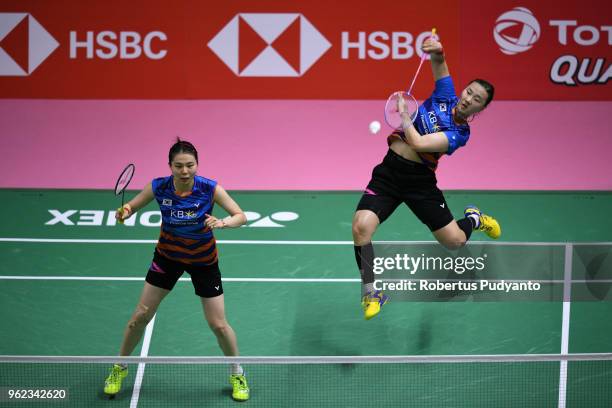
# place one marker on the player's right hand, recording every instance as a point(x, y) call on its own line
point(123, 213)
point(432, 46)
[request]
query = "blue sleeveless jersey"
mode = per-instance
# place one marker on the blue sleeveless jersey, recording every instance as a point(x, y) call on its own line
point(435, 115)
point(184, 237)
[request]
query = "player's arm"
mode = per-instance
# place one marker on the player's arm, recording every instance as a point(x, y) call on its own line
point(433, 47)
point(236, 216)
point(140, 200)
point(430, 143)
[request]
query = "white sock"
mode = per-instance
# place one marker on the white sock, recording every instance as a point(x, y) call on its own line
point(476, 219)
point(236, 369)
point(366, 287)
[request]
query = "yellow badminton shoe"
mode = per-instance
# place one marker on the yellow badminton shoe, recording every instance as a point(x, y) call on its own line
point(372, 302)
point(240, 388)
point(488, 224)
point(112, 385)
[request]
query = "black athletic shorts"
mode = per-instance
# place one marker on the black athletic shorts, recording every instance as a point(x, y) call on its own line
point(164, 273)
point(397, 180)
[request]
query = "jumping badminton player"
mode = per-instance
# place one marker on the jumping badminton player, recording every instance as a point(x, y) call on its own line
point(407, 173)
point(186, 243)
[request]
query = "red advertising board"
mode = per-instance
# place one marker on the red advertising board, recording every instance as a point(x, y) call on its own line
point(161, 49)
point(540, 50)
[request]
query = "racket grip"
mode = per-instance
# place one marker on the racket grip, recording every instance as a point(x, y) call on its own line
point(121, 210)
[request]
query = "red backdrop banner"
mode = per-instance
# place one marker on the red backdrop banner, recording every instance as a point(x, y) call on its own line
point(161, 49)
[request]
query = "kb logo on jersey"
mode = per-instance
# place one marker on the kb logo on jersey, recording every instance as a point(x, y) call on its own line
point(180, 214)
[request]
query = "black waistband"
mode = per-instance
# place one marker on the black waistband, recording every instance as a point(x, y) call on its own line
point(396, 160)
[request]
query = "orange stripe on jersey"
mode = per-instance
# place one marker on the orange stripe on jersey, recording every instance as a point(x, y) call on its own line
point(185, 241)
point(210, 259)
point(176, 248)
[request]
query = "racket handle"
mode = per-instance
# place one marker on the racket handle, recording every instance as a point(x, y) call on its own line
point(120, 211)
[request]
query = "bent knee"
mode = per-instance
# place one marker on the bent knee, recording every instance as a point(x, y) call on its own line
point(219, 327)
point(453, 242)
point(141, 317)
point(363, 229)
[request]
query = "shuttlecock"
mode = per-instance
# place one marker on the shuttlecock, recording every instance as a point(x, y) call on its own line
point(374, 127)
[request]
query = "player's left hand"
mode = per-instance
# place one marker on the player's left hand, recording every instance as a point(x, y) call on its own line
point(401, 103)
point(213, 222)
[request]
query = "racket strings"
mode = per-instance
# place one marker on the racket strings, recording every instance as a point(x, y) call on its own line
point(124, 179)
point(392, 113)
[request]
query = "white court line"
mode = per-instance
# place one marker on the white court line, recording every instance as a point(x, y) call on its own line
point(567, 292)
point(144, 352)
point(154, 241)
point(121, 278)
point(284, 242)
point(303, 280)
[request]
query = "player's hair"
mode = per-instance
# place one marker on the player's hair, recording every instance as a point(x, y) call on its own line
point(488, 87)
point(182, 146)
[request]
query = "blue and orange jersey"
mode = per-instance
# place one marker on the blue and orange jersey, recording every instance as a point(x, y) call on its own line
point(184, 237)
point(435, 115)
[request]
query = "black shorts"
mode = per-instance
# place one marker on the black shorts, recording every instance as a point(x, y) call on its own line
point(397, 180)
point(164, 273)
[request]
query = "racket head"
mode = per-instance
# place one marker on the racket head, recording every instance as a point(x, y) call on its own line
point(124, 179)
point(392, 114)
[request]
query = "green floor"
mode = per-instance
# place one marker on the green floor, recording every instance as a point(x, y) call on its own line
point(87, 317)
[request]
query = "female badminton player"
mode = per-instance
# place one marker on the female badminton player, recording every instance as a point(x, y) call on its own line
point(407, 173)
point(186, 243)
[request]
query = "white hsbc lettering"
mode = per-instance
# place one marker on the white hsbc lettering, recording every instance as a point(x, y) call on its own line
point(122, 45)
point(379, 45)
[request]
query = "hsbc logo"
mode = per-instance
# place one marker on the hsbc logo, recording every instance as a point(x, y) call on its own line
point(24, 44)
point(269, 44)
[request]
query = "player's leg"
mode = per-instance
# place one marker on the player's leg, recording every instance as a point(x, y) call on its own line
point(366, 220)
point(433, 211)
point(161, 278)
point(148, 303)
point(146, 308)
point(455, 234)
point(208, 286)
point(377, 203)
point(214, 311)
